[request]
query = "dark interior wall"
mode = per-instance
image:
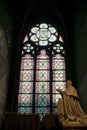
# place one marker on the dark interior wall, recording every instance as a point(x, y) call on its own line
point(5, 54)
point(80, 45)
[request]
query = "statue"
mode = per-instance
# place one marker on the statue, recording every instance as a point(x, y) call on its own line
point(69, 108)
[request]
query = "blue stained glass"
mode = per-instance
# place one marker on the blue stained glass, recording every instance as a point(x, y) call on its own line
point(25, 100)
point(42, 111)
point(25, 109)
point(54, 109)
point(42, 99)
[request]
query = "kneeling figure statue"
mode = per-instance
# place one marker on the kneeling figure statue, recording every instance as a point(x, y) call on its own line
point(69, 109)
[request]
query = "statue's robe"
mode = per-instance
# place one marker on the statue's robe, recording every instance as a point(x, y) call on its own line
point(69, 105)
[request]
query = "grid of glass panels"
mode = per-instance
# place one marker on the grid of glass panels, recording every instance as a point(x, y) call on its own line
point(42, 89)
point(42, 70)
point(25, 98)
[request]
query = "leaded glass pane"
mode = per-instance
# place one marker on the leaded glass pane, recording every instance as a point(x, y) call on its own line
point(42, 64)
point(43, 25)
point(25, 100)
point(26, 75)
point(54, 109)
point(58, 64)
point(58, 85)
point(58, 75)
point(52, 30)
point(26, 87)
point(25, 39)
point(60, 39)
point(27, 64)
point(43, 34)
point(43, 43)
point(52, 38)
point(42, 55)
point(42, 111)
point(42, 99)
point(34, 38)
point(42, 75)
point(34, 29)
point(42, 87)
point(56, 98)
point(25, 109)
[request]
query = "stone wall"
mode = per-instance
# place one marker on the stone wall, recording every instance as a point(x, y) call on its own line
point(80, 45)
point(5, 54)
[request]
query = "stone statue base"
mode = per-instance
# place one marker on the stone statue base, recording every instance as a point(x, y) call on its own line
point(74, 123)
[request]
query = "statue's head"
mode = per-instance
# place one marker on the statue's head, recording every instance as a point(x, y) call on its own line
point(68, 82)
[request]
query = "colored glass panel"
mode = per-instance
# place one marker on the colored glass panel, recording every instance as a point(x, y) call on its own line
point(52, 38)
point(25, 100)
point(34, 38)
point(34, 29)
point(56, 98)
point(58, 85)
point(54, 110)
point(25, 109)
point(42, 35)
point(58, 75)
point(27, 64)
point(42, 87)
point(26, 87)
point(43, 25)
point(52, 30)
point(25, 39)
point(26, 75)
point(61, 39)
point(43, 43)
point(42, 64)
point(42, 75)
point(42, 100)
point(58, 63)
point(42, 111)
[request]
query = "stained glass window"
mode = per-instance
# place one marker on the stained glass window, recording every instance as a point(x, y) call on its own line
point(42, 70)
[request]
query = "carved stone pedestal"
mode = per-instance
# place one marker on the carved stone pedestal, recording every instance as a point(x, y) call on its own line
point(75, 128)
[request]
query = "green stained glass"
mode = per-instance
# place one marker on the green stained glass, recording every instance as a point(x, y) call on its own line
point(43, 34)
point(42, 87)
point(43, 64)
point(42, 75)
point(42, 100)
